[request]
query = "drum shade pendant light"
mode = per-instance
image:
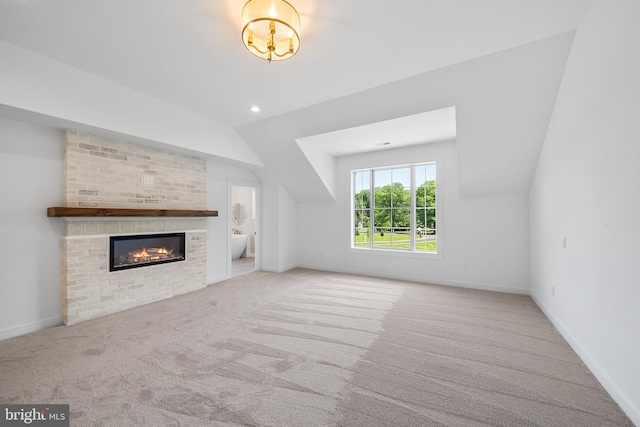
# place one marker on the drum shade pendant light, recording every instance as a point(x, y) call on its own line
point(270, 29)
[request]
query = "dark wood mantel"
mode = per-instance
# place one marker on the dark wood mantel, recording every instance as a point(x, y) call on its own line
point(115, 212)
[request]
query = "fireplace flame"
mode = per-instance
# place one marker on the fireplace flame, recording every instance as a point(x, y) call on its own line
point(150, 254)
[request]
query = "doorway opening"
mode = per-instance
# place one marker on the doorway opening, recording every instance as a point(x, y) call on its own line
point(243, 229)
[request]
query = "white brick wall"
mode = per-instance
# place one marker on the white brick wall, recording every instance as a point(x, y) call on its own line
point(92, 291)
point(106, 173)
point(100, 172)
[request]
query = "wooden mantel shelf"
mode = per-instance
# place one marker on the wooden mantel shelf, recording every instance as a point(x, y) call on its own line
point(114, 212)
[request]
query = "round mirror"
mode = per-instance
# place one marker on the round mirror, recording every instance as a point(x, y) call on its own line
point(238, 214)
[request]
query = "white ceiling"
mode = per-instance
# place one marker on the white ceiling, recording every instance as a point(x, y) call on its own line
point(189, 54)
point(423, 128)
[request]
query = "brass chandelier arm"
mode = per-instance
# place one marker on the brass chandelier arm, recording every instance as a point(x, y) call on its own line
point(279, 55)
point(284, 54)
point(256, 48)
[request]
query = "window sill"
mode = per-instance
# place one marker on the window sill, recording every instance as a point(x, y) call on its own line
point(396, 253)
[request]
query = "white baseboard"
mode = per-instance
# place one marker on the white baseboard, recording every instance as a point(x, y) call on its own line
point(421, 279)
point(30, 327)
point(612, 388)
point(271, 269)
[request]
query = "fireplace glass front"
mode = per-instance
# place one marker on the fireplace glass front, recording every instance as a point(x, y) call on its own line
point(145, 250)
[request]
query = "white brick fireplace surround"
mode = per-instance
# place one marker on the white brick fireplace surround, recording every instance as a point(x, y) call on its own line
point(106, 173)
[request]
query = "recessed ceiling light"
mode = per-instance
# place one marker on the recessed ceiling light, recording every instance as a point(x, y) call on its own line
point(255, 109)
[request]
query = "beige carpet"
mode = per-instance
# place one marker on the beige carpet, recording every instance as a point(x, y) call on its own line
point(308, 348)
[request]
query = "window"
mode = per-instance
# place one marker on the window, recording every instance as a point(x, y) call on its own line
point(394, 208)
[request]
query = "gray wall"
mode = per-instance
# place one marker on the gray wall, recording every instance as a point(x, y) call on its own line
point(586, 189)
point(30, 257)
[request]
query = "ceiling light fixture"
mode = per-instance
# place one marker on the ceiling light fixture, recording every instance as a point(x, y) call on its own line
point(270, 29)
point(255, 109)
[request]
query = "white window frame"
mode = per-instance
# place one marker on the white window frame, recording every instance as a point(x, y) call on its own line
point(399, 252)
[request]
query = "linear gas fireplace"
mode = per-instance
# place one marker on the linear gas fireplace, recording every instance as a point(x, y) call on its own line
point(144, 250)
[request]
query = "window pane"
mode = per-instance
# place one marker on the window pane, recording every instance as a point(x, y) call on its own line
point(401, 218)
point(430, 172)
point(426, 185)
point(401, 187)
point(426, 242)
point(401, 238)
point(400, 196)
point(361, 218)
point(421, 174)
point(361, 229)
point(401, 176)
point(425, 219)
point(361, 180)
point(425, 230)
point(382, 218)
point(431, 219)
point(361, 186)
point(382, 178)
point(382, 197)
point(382, 237)
point(421, 219)
point(361, 200)
point(382, 192)
point(424, 173)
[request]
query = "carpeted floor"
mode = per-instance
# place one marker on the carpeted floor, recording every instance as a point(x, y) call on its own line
point(309, 348)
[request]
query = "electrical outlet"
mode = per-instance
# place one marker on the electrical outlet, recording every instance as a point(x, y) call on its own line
point(465, 266)
point(147, 180)
point(564, 242)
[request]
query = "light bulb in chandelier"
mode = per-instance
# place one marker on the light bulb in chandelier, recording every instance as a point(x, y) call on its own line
point(271, 29)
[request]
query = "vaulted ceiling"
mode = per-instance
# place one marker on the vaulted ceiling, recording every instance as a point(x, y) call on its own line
point(498, 62)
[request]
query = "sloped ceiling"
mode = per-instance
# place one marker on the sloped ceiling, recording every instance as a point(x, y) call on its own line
point(503, 104)
point(497, 61)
